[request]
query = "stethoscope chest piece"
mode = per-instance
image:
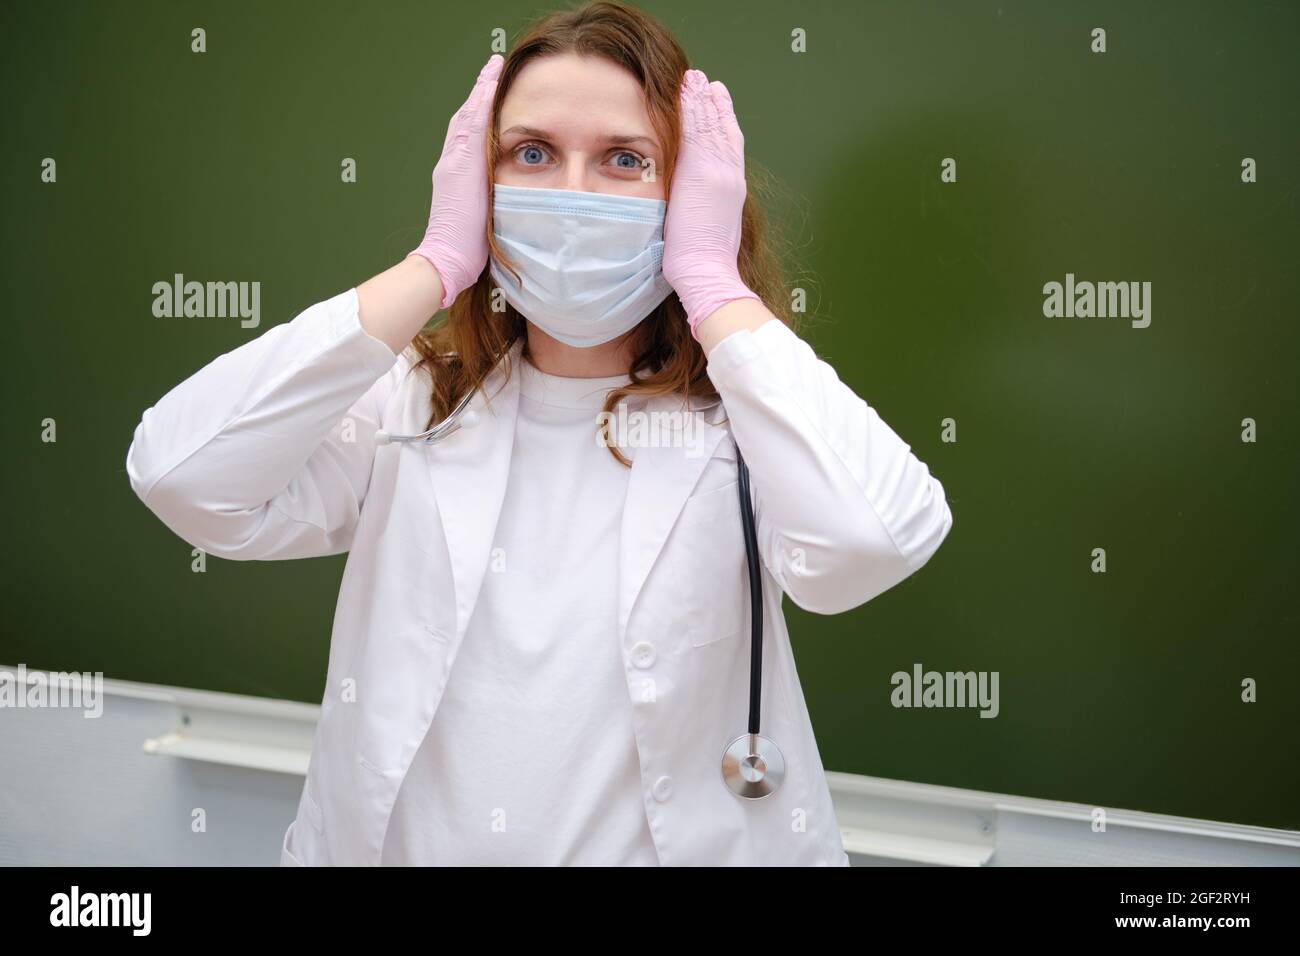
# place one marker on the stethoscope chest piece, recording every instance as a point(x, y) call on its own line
point(752, 766)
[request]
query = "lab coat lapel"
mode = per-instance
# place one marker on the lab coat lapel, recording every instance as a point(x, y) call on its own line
point(469, 471)
point(663, 477)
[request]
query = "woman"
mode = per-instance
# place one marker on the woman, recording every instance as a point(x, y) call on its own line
point(540, 649)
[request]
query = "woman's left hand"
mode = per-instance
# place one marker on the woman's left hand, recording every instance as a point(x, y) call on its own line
point(703, 223)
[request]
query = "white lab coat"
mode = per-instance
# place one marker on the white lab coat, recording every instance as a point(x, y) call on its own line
point(269, 452)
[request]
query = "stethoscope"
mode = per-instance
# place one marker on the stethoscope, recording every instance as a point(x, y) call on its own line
point(752, 765)
point(462, 416)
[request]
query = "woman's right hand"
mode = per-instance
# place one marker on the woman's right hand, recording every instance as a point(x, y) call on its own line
point(455, 242)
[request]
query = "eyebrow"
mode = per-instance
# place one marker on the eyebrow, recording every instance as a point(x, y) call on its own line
point(620, 140)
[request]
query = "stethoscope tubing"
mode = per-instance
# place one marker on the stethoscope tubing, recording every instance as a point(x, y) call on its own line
point(755, 593)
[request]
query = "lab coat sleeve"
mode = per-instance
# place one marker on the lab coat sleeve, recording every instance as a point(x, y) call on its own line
point(844, 509)
point(266, 452)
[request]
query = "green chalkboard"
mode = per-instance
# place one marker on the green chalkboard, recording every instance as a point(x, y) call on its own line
point(1121, 689)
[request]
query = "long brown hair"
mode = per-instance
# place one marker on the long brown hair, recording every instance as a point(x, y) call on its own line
point(460, 352)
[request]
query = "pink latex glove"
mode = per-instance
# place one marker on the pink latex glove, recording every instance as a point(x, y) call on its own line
point(702, 225)
point(456, 240)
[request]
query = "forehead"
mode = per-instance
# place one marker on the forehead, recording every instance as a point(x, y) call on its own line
point(576, 95)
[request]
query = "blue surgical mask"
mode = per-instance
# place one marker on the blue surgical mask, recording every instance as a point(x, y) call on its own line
point(591, 264)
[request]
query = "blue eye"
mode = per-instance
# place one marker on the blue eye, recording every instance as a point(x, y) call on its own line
point(633, 161)
point(531, 155)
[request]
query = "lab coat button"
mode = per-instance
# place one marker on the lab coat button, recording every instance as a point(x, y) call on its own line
point(643, 654)
point(663, 788)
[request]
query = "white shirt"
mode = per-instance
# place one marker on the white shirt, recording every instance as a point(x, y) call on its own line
point(531, 758)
